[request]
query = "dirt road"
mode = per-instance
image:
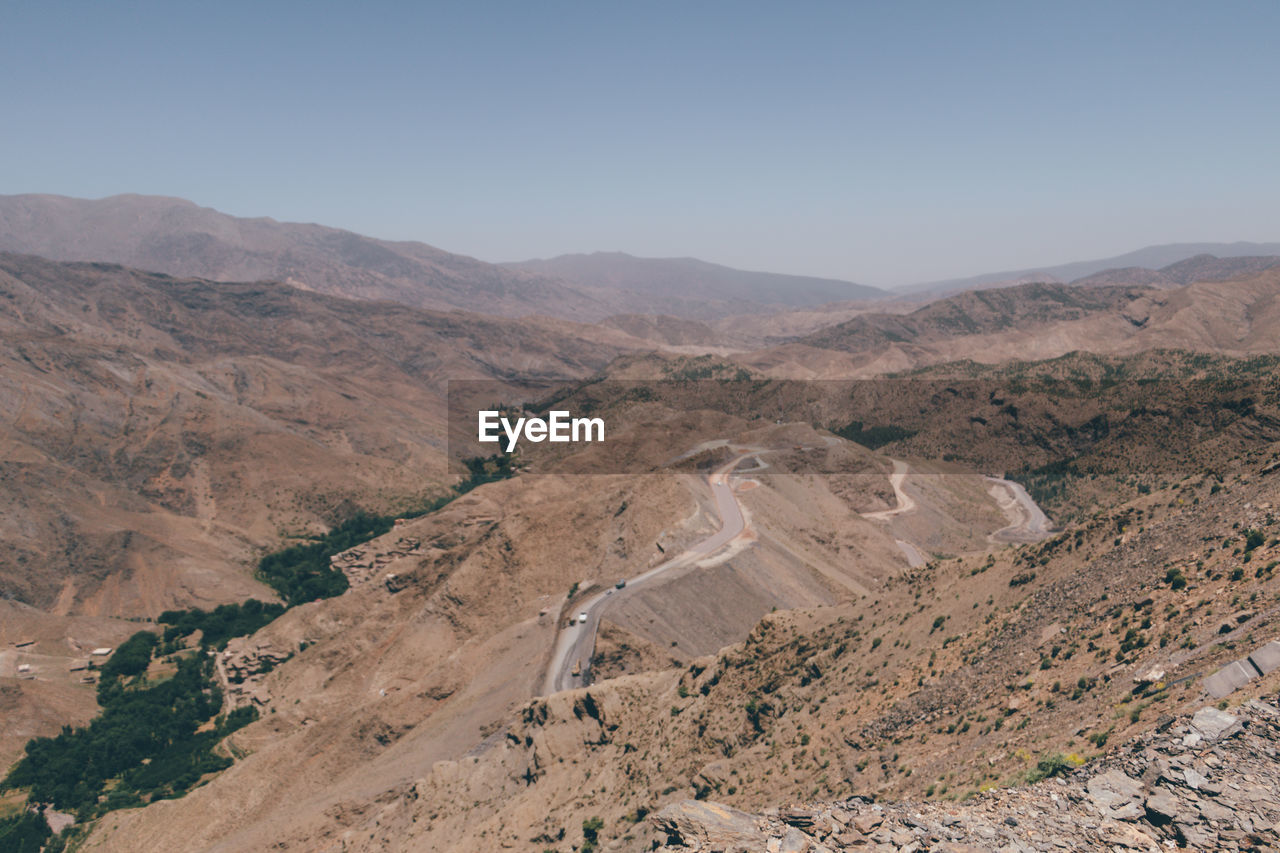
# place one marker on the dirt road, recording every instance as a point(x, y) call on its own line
point(1027, 522)
point(905, 501)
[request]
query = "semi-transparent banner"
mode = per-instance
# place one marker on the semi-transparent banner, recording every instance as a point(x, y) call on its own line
point(636, 426)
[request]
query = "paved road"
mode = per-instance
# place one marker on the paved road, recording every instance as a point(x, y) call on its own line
point(915, 558)
point(575, 644)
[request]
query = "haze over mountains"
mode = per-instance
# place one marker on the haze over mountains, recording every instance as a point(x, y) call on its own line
point(177, 237)
point(1150, 258)
point(677, 280)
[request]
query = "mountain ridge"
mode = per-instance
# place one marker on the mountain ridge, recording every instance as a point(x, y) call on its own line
point(1148, 257)
point(676, 278)
point(1198, 268)
point(1226, 316)
point(178, 237)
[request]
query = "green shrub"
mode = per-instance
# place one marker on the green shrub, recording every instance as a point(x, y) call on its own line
point(1056, 764)
point(145, 738)
point(591, 834)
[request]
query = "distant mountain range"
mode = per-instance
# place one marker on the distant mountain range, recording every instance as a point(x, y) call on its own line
point(690, 280)
point(1194, 269)
point(177, 237)
point(1135, 264)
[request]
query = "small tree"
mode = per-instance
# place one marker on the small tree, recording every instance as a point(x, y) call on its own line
point(591, 833)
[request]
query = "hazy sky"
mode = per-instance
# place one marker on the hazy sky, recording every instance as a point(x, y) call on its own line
point(881, 142)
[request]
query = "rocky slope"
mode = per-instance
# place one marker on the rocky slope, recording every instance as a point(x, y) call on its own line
point(934, 684)
point(1208, 781)
point(481, 584)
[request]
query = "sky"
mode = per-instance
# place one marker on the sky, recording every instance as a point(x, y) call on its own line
point(885, 143)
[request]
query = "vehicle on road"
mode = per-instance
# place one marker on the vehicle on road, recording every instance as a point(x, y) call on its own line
point(620, 584)
point(582, 617)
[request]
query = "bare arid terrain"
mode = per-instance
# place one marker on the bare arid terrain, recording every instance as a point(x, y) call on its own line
point(989, 571)
point(159, 433)
point(937, 682)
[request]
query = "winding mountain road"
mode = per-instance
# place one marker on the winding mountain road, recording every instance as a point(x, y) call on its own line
point(905, 502)
point(575, 643)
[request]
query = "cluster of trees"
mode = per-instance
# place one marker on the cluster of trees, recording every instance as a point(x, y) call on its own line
point(24, 833)
point(302, 573)
point(145, 740)
point(219, 625)
point(480, 470)
point(131, 658)
point(150, 740)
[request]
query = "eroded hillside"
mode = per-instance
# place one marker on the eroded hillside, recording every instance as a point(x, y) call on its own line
point(959, 676)
point(158, 430)
point(160, 434)
point(871, 630)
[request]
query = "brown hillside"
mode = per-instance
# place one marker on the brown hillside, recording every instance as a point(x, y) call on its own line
point(157, 431)
point(1035, 322)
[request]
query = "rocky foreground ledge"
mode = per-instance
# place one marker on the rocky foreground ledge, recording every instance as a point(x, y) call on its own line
point(1206, 782)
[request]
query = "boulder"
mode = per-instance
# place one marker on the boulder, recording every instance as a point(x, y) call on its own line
point(1266, 658)
point(702, 824)
point(1163, 807)
point(795, 841)
point(1213, 724)
point(1113, 791)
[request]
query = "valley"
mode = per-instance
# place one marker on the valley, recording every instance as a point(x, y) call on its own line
point(907, 553)
point(619, 428)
